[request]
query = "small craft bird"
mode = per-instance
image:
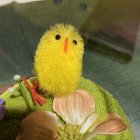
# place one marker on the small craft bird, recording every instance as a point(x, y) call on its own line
point(58, 60)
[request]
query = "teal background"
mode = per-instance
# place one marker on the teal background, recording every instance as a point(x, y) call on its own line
point(21, 26)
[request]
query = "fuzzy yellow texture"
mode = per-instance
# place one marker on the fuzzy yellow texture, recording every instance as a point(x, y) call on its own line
point(58, 71)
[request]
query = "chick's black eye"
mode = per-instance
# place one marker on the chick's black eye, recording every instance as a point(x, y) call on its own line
point(57, 37)
point(74, 42)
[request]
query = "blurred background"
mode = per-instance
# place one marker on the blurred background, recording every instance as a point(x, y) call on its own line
point(111, 30)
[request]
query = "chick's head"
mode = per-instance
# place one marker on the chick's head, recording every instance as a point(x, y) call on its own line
point(65, 39)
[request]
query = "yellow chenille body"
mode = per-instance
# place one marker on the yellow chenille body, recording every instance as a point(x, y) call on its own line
point(58, 65)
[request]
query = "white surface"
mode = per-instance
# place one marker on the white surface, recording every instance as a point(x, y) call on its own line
point(5, 2)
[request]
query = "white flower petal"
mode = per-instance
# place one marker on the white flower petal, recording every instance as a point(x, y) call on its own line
point(16, 77)
point(113, 124)
point(38, 125)
point(10, 90)
point(52, 115)
point(91, 119)
point(61, 109)
point(75, 108)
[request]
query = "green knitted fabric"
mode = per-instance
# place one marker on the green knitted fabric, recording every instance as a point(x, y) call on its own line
point(69, 132)
point(17, 108)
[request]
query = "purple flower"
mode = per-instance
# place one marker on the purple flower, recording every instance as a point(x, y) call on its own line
point(2, 109)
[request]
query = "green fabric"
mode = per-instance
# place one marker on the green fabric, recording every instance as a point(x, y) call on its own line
point(16, 108)
point(69, 132)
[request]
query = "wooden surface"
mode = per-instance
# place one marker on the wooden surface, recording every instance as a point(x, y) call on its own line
point(5, 87)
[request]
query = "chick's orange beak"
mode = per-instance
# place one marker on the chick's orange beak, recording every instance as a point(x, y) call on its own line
point(65, 44)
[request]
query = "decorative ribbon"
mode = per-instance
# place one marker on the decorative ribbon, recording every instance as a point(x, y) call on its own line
point(35, 96)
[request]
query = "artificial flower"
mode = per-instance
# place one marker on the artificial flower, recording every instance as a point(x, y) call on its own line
point(77, 110)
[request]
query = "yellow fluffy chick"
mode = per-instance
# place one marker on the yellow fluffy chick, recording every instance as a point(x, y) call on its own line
point(58, 60)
